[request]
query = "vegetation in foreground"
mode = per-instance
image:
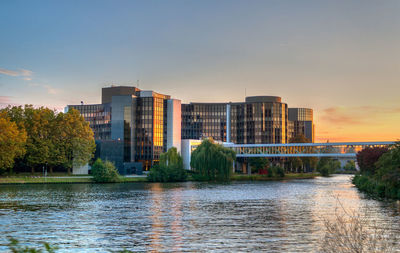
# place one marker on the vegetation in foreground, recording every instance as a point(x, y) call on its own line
point(16, 247)
point(379, 171)
point(351, 232)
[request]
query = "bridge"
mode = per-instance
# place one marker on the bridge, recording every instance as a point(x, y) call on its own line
point(330, 149)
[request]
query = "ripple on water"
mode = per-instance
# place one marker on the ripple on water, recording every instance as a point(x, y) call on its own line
point(241, 216)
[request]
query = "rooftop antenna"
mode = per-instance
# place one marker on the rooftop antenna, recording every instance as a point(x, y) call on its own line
point(245, 95)
point(137, 83)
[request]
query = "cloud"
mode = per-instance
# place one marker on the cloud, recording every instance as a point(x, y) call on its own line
point(8, 72)
point(356, 115)
point(5, 99)
point(23, 73)
point(50, 89)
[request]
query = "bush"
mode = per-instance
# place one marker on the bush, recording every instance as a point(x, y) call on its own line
point(170, 168)
point(327, 166)
point(104, 172)
point(276, 171)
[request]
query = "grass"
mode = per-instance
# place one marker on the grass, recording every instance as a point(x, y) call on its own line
point(257, 177)
point(42, 180)
point(52, 180)
point(25, 179)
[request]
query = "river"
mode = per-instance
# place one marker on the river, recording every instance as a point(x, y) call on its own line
point(282, 216)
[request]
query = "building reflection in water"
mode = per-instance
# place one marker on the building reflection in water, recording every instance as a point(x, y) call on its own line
point(156, 221)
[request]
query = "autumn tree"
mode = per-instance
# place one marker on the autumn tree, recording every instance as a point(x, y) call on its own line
point(53, 139)
point(12, 142)
point(367, 158)
point(76, 143)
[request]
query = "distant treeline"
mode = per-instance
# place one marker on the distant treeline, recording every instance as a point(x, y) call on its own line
point(35, 138)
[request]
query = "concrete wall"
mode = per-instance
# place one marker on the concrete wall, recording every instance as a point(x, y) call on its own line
point(174, 124)
point(187, 145)
point(83, 170)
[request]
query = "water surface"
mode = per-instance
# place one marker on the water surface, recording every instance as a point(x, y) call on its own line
point(241, 216)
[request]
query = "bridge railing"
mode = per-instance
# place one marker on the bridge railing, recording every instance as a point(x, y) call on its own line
point(332, 149)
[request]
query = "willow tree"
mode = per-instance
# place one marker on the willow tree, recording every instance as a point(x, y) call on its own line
point(212, 161)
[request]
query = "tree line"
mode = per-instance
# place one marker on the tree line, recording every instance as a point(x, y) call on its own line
point(379, 171)
point(32, 138)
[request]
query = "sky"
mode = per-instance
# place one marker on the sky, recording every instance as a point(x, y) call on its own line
point(341, 58)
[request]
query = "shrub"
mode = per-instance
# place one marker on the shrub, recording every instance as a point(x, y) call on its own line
point(170, 168)
point(104, 172)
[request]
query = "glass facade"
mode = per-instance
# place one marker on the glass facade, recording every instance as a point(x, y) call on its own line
point(99, 118)
point(151, 129)
point(201, 120)
point(260, 120)
point(301, 122)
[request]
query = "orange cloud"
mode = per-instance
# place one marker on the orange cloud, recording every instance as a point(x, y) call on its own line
point(359, 123)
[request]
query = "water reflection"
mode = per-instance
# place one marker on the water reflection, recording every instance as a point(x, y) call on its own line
point(242, 216)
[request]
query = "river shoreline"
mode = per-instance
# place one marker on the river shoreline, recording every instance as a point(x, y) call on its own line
point(17, 180)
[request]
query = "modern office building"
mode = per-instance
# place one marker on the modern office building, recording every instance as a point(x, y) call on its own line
point(301, 122)
point(260, 119)
point(133, 127)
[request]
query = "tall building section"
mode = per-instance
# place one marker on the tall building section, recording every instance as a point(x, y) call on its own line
point(133, 127)
point(260, 119)
point(301, 121)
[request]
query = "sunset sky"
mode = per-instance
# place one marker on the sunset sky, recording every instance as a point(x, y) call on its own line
point(341, 58)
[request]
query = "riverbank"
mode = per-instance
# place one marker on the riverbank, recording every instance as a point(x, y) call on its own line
point(25, 179)
point(258, 177)
point(61, 180)
point(375, 188)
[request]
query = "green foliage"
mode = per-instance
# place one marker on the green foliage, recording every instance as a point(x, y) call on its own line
point(368, 157)
point(53, 139)
point(276, 171)
point(376, 188)
point(212, 162)
point(258, 163)
point(104, 172)
point(12, 142)
point(300, 163)
point(327, 166)
point(15, 247)
point(350, 166)
point(170, 168)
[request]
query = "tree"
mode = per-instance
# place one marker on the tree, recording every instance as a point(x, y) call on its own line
point(212, 161)
point(76, 141)
point(305, 162)
point(367, 158)
point(12, 142)
point(388, 168)
point(104, 172)
point(327, 166)
point(259, 163)
point(53, 139)
point(170, 168)
point(350, 166)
